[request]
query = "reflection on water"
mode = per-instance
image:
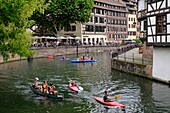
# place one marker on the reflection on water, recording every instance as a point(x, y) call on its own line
point(138, 94)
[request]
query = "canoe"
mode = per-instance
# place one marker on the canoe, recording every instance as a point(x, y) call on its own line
point(54, 96)
point(73, 88)
point(114, 103)
point(82, 61)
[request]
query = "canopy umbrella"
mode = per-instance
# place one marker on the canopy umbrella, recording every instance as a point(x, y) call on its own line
point(48, 37)
point(61, 37)
point(69, 37)
point(77, 38)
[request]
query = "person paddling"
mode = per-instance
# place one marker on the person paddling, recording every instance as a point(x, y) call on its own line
point(106, 98)
point(45, 87)
point(52, 91)
point(73, 83)
point(34, 85)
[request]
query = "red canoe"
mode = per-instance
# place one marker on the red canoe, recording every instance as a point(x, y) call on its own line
point(114, 103)
point(74, 88)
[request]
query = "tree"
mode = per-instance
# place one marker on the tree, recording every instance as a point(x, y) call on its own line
point(13, 24)
point(62, 13)
point(138, 40)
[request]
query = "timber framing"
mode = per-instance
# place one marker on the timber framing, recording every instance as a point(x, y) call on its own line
point(158, 21)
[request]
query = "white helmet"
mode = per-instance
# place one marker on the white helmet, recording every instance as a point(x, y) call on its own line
point(36, 78)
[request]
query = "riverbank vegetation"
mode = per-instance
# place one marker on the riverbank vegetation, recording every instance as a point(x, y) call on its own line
point(19, 15)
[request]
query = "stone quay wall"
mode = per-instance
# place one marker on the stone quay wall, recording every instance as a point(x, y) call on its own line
point(61, 50)
point(142, 70)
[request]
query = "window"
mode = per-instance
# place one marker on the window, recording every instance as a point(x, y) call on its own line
point(91, 19)
point(133, 26)
point(134, 32)
point(93, 10)
point(96, 19)
point(100, 28)
point(89, 28)
point(145, 25)
point(161, 24)
point(71, 28)
point(101, 20)
point(97, 11)
point(103, 12)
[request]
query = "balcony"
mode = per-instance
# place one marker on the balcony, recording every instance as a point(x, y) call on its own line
point(142, 15)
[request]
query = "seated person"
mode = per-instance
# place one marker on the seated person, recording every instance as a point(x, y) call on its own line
point(83, 57)
point(80, 58)
point(73, 83)
point(45, 87)
point(87, 57)
point(35, 85)
point(52, 91)
point(106, 98)
point(63, 57)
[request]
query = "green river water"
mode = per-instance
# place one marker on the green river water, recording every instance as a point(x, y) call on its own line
point(138, 94)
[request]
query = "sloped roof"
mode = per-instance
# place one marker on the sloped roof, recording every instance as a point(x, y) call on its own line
point(111, 2)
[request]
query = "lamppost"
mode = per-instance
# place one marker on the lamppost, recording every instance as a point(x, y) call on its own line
point(77, 48)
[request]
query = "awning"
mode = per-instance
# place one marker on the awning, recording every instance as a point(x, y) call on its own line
point(45, 37)
point(61, 37)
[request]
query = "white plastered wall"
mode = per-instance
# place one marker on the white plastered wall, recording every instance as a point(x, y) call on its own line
point(161, 63)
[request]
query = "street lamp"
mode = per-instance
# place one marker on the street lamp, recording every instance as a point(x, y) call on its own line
point(77, 48)
point(84, 29)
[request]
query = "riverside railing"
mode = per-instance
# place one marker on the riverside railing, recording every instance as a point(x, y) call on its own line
point(134, 58)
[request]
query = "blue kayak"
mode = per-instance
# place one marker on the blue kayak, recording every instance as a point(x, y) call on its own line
point(82, 61)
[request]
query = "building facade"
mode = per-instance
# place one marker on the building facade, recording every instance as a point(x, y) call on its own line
point(108, 23)
point(132, 18)
point(147, 51)
point(156, 21)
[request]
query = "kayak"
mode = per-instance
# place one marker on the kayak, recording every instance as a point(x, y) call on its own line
point(114, 103)
point(50, 57)
point(73, 88)
point(82, 61)
point(54, 96)
point(63, 59)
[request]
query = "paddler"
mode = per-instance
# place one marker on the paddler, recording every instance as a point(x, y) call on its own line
point(52, 91)
point(34, 85)
point(106, 98)
point(73, 83)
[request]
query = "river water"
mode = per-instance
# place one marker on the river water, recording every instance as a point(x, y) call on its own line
point(138, 94)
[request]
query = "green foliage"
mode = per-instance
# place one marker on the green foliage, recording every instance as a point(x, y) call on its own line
point(138, 40)
point(62, 13)
point(13, 24)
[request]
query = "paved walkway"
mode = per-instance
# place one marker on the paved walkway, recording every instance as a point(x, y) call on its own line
point(134, 56)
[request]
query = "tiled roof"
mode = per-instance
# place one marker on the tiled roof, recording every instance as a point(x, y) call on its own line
point(111, 2)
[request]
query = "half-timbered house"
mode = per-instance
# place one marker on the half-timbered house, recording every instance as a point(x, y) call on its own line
point(158, 36)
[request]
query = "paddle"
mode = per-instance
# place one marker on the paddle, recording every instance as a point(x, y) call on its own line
point(117, 96)
point(80, 88)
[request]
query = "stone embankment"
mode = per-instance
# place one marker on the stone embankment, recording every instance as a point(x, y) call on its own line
point(132, 62)
point(63, 50)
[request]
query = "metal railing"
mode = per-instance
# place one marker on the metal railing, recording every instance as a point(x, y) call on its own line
point(134, 58)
